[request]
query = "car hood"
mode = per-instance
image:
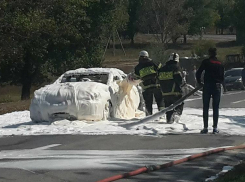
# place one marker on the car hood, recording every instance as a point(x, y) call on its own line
point(231, 79)
point(78, 99)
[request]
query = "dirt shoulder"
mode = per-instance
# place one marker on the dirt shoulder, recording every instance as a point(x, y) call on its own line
point(14, 106)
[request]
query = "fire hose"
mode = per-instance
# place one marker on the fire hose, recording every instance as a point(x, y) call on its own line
point(162, 112)
point(169, 164)
point(172, 163)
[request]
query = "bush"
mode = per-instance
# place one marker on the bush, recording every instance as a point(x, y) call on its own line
point(243, 51)
point(158, 53)
point(201, 48)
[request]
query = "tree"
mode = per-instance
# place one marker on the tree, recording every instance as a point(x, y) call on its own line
point(239, 14)
point(134, 10)
point(224, 9)
point(118, 18)
point(49, 36)
point(204, 15)
point(167, 18)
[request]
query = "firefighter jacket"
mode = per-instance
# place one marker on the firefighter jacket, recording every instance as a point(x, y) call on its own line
point(146, 70)
point(170, 79)
point(214, 71)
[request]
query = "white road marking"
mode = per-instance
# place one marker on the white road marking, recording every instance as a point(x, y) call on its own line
point(31, 160)
point(234, 93)
point(238, 101)
point(47, 147)
point(188, 100)
point(28, 170)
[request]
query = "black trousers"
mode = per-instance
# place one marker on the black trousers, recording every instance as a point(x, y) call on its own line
point(211, 90)
point(169, 100)
point(148, 97)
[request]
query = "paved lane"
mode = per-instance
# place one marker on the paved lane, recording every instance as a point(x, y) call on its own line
point(233, 99)
point(38, 158)
point(66, 158)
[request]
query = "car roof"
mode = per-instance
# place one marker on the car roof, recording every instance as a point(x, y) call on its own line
point(235, 69)
point(114, 71)
point(89, 71)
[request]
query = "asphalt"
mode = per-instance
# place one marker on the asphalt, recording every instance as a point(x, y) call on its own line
point(203, 167)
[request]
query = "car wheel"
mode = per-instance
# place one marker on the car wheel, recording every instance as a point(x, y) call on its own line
point(242, 87)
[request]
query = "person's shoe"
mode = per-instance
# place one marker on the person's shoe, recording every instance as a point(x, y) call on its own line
point(204, 131)
point(171, 119)
point(168, 118)
point(174, 118)
point(215, 131)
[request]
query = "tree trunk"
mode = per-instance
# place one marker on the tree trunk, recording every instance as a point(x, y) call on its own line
point(185, 39)
point(222, 31)
point(114, 42)
point(174, 40)
point(26, 89)
point(132, 41)
point(162, 39)
point(26, 79)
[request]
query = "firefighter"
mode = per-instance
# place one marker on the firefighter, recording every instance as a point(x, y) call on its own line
point(213, 79)
point(146, 70)
point(171, 80)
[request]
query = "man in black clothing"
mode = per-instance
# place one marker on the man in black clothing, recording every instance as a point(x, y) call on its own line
point(146, 70)
point(213, 79)
point(170, 81)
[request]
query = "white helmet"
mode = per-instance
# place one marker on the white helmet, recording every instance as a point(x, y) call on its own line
point(174, 57)
point(143, 54)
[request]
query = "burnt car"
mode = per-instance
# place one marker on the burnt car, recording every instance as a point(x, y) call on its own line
point(91, 94)
point(233, 79)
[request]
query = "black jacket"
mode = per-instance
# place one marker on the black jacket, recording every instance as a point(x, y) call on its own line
point(214, 71)
point(146, 70)
point(170, 79)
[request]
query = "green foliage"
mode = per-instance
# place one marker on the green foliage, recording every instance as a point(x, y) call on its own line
point(48, 37)
point(158, 53)
point(243, 50)
point(234, 175)
point(117, 16)
point(201, 48)
point(224, 9)
point(134, 12)
point(204, 15)
point(167, 18)
point(239, 14)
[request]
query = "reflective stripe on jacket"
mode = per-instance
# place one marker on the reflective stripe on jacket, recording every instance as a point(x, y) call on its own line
point(146, 70)
point(170, 79)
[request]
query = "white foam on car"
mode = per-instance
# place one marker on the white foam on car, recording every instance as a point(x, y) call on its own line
point(87, 100)
point(84, 100)
point(127, 101)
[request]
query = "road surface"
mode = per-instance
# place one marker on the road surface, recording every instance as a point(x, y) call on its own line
point(84, 158)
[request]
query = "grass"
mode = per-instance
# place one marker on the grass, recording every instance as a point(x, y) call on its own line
point(148, 42)
point(237, 174)
point(9, 93)
point(10, 99)
point(14, 106)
